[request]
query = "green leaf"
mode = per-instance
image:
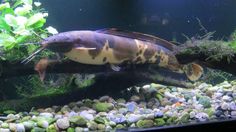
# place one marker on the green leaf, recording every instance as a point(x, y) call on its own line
point(11, 20)
point(36, 20)
point(4, 6)
point(22, 39)
point(25, 9)
point(7, 41)
point(7, 11)
point(4, 25)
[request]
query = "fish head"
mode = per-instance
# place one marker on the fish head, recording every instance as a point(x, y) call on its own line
point(62, 42)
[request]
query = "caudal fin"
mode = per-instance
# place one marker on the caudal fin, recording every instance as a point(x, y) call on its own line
point(193, 71)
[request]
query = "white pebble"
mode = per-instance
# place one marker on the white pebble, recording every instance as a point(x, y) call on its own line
point(227, 98)
point(225, 106)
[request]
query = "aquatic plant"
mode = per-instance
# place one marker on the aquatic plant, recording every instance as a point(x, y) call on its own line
point(21, 22)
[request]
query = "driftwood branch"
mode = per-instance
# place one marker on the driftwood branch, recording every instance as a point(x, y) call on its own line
point(137, 74)
point(212, 54)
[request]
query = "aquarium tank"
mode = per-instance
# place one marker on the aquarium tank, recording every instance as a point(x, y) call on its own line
point(117, 65)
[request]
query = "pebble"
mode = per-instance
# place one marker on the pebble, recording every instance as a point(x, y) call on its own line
point(227, 98)
point(48, 115)
point(20, 128)
point(135, 98)
point(232, 106)
point(86, 115)
point(63, 123)
point(4, 130)
point(233, 113)
point(131, 106)
point(118, 118)
point(225, 106)
point(104, 99)
point(202, 116)
point(131, 118)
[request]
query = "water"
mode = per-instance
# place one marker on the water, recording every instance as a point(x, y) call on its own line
point(52, 90)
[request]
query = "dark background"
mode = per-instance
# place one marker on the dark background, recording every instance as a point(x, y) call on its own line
point(164, 18)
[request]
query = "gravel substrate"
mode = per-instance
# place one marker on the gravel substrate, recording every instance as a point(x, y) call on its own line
point(152, 105)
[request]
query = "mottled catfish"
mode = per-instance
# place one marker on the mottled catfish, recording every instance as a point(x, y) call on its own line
point(115, 47)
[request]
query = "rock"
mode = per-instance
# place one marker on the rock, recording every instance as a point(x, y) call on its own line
point(226, 84)
point(72, 104)
point(123, 110)
point(233, 113)
point(104, 99)
point(158, 114)
point(184, 118)
point(79, 103)
point(112, 124)
point(146, 86)
point(101, 127)
point(49, 110)
point(145, 123)
point(88, 103)
point(160, 122)
point(63, 123)
point(79, 129)
point(38, 129)
point(56, 108)
point(92, 125)
point(20, 127)
point(78, 120)
point(225, 106)
point(102, 114)
point(108, 128)
point(99, 120)
point(58, 116)
point(47, 115)
point(135, 98)
point(121, 100)
point(5, 125)
point(70, 129)
point(202, 116)
point(205, 101)
point(232, 106)
point(227, 98)
point(12, 127)
point(103, 107)
point(76, 109)
point(119, 126)
point(192, 114)
point(52, 128)
point(43, 124)
point(153, 101)
point(11, 116)
point(131, 118)
point(72, 113)
point(131, 106)
point(117, 118)
point(218, 113)
point(86, 115)
point(149, 116)
point(4, 130)
point(210, 112)
point(29, 125)
point(65, 109)
point(34, 113)
point(158, 86)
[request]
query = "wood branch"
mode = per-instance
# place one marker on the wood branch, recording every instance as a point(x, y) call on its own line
point(226, 62)
point(138, 74)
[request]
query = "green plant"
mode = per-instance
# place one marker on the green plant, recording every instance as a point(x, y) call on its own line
point(21, 22)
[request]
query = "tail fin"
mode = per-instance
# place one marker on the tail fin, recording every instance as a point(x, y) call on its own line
point(193, 71)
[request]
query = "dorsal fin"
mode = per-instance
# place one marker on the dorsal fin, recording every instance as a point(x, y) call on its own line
point(139, 36)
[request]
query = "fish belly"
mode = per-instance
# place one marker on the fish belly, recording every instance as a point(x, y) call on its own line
point(83, 56)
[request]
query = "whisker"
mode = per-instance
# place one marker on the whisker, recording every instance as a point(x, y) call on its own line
point(29, 58)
